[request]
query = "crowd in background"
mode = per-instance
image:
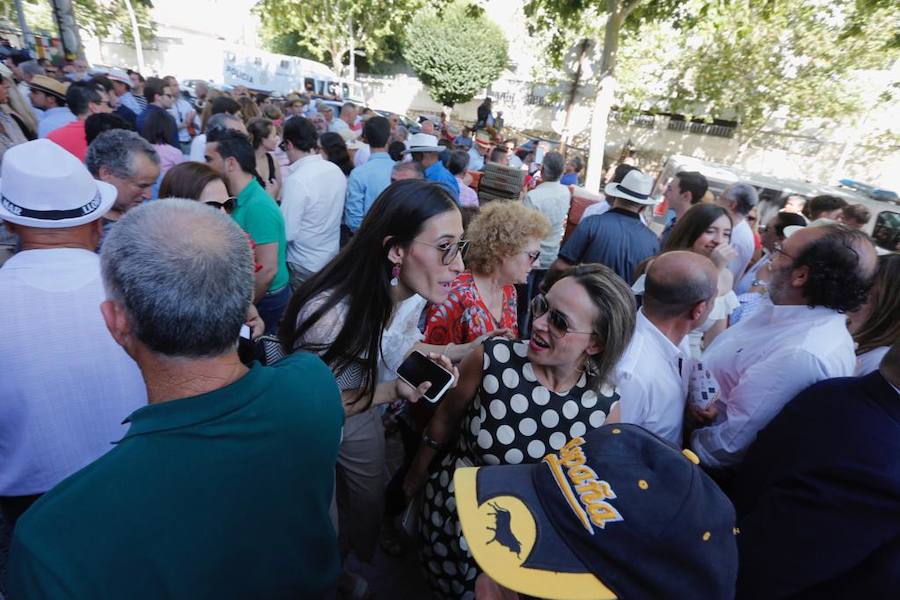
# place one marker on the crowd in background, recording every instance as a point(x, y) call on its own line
point(208, 297)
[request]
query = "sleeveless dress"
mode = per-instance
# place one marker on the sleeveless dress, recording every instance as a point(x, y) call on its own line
point(512, 420)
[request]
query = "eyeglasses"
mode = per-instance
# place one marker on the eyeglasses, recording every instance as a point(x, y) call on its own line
point(227, 205)
point(534, 255)
point(559, 325)
point(449, 250)
point(762, 228)
point(779, 248)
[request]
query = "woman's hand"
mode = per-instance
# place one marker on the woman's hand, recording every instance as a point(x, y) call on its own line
point(404, 391)
point(722, 255)
point(414, 481)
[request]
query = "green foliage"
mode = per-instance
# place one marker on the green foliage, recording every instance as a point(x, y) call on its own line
point(330, 28)
point(456, 51)
point(100, 17)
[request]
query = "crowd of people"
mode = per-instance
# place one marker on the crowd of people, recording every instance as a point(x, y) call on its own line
point(208, 300)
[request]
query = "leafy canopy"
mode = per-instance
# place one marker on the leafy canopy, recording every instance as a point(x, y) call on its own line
point(456, 52)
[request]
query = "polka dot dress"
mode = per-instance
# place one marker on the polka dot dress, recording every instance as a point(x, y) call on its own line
point(512, 420)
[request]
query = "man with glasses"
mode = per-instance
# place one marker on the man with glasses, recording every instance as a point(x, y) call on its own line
point(159, 99)
point(312, 202)
point(800, 338)
point(184, 114)
point(83, 99)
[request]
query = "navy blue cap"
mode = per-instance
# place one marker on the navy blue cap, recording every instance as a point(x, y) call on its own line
point(619, 513)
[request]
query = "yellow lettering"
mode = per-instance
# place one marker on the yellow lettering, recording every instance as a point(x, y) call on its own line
point(573, 459)
point(581, 474)
point(603, 512)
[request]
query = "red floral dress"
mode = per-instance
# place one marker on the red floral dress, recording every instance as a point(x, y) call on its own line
point(464, 317)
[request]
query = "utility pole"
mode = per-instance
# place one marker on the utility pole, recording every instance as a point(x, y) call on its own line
point(136, 34)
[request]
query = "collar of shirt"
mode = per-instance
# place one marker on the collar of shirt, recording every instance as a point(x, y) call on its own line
point(435, 169)
point(622, 211)
point(251, 189)
point(185, 412)
point(305, 160)
point(792, 313)
point(665, 345)
point(380, 155)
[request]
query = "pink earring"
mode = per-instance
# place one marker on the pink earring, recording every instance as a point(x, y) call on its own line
point(395, 276)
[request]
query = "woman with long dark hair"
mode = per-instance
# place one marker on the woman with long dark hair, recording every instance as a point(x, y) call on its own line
point(335, 150)
point(360, 313)
point(704, 229)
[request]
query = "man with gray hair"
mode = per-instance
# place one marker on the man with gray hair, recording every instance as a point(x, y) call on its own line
point(231, 462)
point(652, 376)
point(739, 199)
point(30, 68)
point(127, 161)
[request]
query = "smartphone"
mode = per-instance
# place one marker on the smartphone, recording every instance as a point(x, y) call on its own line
point(417, 369)
point(245, 332)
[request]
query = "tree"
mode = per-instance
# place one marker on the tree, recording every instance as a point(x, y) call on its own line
point(456, 51)
point(335, 28)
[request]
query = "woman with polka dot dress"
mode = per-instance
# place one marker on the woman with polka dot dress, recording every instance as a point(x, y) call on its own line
point(517, 401)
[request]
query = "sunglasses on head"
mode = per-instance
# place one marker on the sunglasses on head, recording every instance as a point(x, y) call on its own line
point(557, 322)
point(227, 205)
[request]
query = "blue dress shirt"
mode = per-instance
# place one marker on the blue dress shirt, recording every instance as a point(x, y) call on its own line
point(439, 174)
point(364, 185)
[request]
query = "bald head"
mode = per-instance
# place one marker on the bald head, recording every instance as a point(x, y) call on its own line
point(677, 282)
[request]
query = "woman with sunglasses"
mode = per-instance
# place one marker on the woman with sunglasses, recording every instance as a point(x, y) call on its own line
point(504, 245)
point(360, 313)
point(516, 401)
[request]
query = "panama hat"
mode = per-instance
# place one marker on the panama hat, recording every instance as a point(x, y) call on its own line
point(635, 187)
point(48, 85)
point(120, 76)
point(43, 185)
point(423, 142)
point(617, 513)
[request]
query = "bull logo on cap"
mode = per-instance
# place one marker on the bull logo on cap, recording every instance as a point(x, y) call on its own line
point(502, 529)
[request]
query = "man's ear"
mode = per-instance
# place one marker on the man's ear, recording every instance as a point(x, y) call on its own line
point(118, 325)
point(699, 309)
point(799, 276)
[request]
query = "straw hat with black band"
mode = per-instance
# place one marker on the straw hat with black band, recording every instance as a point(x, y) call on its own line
point(50, 86)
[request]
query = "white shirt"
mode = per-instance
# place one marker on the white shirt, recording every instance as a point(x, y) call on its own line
point(53, 119)
point(476, 161)
point(870, 361)
point(652, 380)
point(742, 240)
point(552, 199)
point(66, 385)
point(180, 109)
point(312, 203)
point(337, 125)
point(362, 155)
point(597, 208)
point(197, 153)
point(760, 364)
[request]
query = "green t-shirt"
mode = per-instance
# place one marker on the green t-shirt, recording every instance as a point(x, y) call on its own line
point(221, 495)
point(260, 217)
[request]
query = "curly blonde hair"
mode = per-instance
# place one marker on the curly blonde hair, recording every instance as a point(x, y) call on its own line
point(501, 229)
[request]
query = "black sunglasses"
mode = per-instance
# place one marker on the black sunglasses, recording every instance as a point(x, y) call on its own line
point(227, 205)
point(559, 325)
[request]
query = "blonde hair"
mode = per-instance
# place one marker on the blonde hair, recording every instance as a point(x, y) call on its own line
point(206, 113)
point(501, 229)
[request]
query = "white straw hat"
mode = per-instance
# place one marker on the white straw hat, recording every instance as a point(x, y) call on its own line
point(423, 142)
point(43, 185)
point(635, 186)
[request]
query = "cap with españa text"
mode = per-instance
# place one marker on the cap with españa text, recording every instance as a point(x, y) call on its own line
point(618, 513)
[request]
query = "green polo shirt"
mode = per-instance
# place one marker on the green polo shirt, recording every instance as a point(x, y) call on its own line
point(222, 495)
point(260, 217)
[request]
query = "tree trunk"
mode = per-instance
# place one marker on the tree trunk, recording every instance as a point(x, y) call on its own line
point(583, 47)
point(605, 94)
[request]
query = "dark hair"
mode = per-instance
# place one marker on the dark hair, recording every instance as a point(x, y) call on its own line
point(377, 131)
point(335, 149)
point(225, 104)
point(786, 219)
point(259, 129)
point(360, 275)
point(80, 94)
point(234, 144)
point(153, 88)
point(497, 153)
point(693, 182)
point(857, 212)
point(140, 77)
point(187, 180)
point(621, 171)
point(301, 133)
point(835, 279)
point(395, 150)
point(819, 204)
point(553, 166)
point(578, 164)
point(102, 81)
point(458, 161)
point(692, 224)
point(882, 327)
point(157, 127)
point(96, 124)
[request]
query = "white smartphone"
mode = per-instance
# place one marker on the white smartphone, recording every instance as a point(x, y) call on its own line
point(417, 369)
point(245, 332)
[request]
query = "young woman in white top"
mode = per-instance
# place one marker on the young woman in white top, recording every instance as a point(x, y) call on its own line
point(704, 229)
point(876, 325)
